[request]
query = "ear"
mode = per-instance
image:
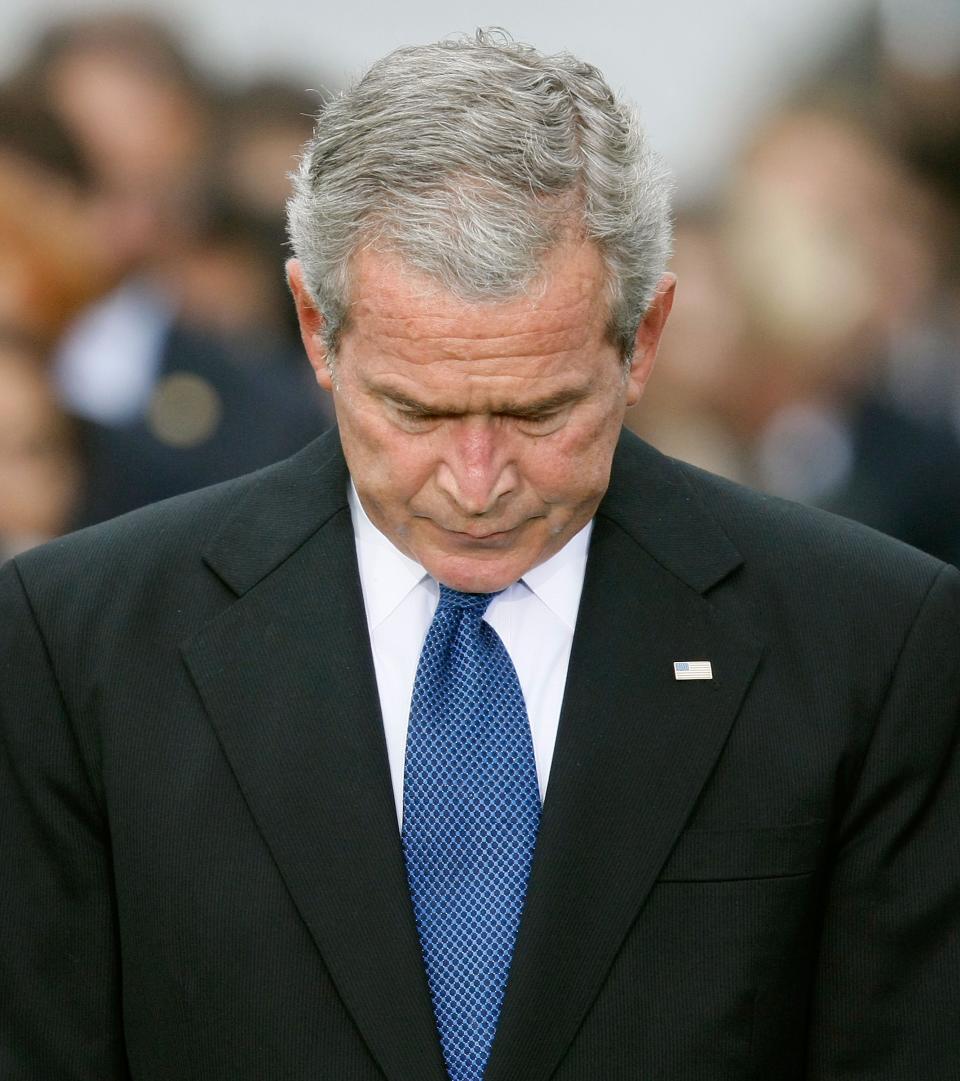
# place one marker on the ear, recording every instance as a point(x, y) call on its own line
point(648, 337)
point(311, 324)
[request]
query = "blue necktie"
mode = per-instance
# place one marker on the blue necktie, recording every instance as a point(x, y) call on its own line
point(471, 808)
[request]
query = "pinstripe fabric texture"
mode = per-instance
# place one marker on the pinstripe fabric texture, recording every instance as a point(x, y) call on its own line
point(471, 809)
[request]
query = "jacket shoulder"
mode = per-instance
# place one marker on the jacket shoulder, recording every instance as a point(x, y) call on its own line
point(767, 528)
point(832, 578)
point(159, 549)
point(172, 527)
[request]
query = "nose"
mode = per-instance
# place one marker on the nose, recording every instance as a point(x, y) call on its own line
point(477, 471)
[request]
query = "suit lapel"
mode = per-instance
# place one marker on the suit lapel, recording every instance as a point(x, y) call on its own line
point(634, 749)
point(287, 678)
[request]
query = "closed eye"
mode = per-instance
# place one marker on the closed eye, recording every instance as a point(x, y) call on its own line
point(417, 419)
point(536, 418)
point(541, 423)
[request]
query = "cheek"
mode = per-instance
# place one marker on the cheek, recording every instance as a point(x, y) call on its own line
point(384, 461)
point(574, 468)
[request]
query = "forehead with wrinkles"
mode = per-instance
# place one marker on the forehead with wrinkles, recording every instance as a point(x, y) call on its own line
point(404, 314)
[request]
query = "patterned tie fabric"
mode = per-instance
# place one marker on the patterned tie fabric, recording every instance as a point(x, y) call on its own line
point(471, 809)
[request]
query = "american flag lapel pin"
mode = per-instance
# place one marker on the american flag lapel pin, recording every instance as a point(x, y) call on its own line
point(692, 670)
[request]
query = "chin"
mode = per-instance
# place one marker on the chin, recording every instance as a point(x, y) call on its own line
point(475, 575)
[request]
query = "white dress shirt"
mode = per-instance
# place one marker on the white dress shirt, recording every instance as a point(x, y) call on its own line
point(534, 618)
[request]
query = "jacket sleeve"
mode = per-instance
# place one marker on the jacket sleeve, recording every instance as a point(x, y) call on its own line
point(887, 990)
point(60, 1009)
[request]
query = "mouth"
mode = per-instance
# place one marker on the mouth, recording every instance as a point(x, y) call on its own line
point(473, 535)
point(479, 536)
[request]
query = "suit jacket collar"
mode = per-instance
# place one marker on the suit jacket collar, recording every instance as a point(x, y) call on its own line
point(285, 505)
point(287, 678)
point(651, 499)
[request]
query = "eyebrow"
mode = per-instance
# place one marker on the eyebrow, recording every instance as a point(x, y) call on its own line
point(536, 408)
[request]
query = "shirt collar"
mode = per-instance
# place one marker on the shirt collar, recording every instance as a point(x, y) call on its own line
point(558, 582)
point(388, 576)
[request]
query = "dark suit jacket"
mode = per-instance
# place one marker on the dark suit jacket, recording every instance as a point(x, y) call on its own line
point(751, 877)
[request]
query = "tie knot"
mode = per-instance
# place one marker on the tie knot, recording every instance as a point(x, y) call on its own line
point(471, 602)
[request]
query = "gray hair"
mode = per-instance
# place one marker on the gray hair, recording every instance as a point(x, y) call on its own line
point(472, 159)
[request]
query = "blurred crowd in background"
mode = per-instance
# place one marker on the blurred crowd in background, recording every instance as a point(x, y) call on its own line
point(814, 347)
point(147, 342)
point(148, 345)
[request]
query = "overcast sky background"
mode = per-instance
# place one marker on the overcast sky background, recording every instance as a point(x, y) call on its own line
point(703, 72)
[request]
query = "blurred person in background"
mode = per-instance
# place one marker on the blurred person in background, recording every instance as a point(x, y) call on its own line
point(264, 126)
point(229, 277)
point(54, 260)
point(687, 409)
point(901, 65)
point(174, 401)
point(832, 242)
point(54, 263)
point(821, 260)
point(228, 286)
point(142, 112)
point(917, 79)
point(40, 457)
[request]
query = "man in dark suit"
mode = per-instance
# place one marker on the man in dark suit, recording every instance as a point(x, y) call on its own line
point(746, 861)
